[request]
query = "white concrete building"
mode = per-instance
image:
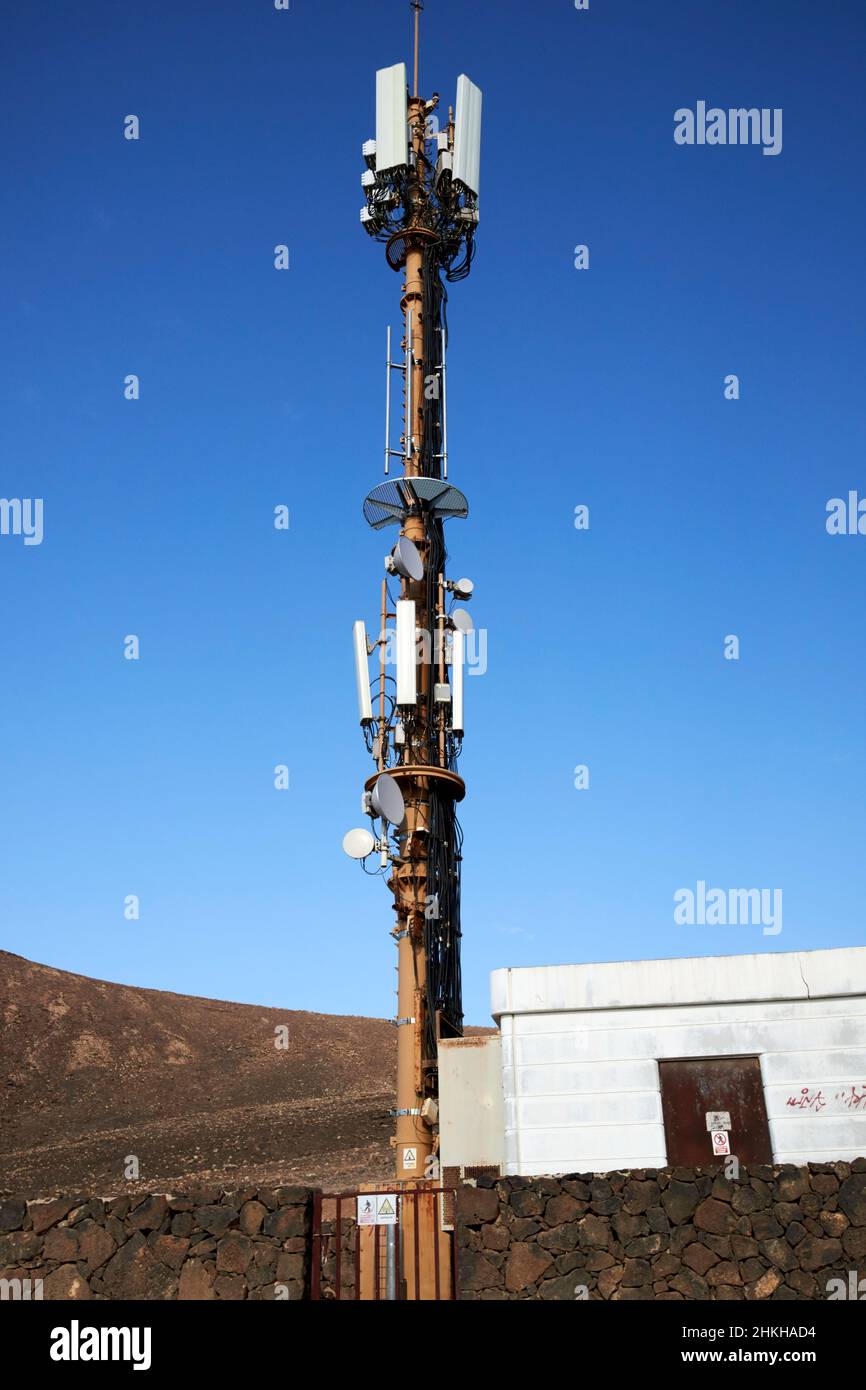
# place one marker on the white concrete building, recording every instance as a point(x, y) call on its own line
point(623, 1065)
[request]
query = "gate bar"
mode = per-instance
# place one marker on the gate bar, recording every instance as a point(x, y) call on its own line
point(339, 1275)
point(316, 1253)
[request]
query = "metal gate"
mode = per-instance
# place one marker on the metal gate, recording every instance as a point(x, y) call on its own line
point(415, 1258)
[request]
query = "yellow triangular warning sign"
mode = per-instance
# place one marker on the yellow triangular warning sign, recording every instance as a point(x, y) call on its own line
point(385, 1208)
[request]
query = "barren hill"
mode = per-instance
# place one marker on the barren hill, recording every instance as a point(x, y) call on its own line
point(92, 1072)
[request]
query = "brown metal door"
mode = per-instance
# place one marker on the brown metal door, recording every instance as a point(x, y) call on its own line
point(693, 1088)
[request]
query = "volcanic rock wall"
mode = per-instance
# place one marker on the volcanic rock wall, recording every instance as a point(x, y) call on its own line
point(675, 1234)
point(209, 1244)
point(680, 1233)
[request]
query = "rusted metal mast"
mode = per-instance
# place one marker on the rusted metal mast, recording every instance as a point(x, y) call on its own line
point(413, 1138)
point(427, 222)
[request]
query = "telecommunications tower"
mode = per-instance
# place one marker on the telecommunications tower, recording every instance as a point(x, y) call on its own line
point(421, 187)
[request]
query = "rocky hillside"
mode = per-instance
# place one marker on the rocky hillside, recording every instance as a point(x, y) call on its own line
point(91, 1073)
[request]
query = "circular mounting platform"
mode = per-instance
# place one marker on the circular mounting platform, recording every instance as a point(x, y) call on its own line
point(397, 246)
point(392, 501)
point(449, 783)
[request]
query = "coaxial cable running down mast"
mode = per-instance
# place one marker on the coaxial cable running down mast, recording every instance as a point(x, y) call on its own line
point(421, 185)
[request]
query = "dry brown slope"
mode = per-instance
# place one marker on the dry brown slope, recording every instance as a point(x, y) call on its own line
point(91, 1072)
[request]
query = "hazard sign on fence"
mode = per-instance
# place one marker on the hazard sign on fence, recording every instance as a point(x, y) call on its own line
point(377, 1209)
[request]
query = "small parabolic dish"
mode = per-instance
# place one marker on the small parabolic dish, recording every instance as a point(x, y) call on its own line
point(387, 800)
point(407, 560)
point(358, 844)
point(462, 620)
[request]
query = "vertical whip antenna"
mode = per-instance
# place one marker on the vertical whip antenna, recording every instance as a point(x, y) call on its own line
point(417, 7)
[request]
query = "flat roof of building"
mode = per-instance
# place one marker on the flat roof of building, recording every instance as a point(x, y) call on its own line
point(636, 984)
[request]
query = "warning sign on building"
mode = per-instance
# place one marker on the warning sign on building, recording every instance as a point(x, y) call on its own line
point(718, 1119)
point(410, 1158)
point(721, 1141)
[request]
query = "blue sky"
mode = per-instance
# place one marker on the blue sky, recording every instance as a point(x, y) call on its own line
point(602, 387)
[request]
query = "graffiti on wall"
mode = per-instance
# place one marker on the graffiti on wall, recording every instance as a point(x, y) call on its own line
point(816, 1101)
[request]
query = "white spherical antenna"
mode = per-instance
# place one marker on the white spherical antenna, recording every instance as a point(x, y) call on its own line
point(358, 844)
point(464, 588)
point(387, 800)
point(462, 620)
point(406, 560)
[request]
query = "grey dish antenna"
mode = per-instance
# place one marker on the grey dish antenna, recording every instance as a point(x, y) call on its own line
point(462, 620)
point(387, 800)
point(358, 844)
point(405, 560)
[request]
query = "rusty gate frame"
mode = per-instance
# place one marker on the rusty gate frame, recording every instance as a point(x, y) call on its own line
point(402, 1194)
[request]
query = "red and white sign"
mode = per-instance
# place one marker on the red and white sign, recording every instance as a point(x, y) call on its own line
point(367, 1209)
point(721, 1141)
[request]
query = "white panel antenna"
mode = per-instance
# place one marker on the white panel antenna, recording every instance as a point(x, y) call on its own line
point(392, 118)
point(458, 657)
point(362, 674)
point(467, 135)
point(407, 669)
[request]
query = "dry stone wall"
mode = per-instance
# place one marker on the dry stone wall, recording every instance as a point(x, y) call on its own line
point(778, 1232)
point(208, 1244)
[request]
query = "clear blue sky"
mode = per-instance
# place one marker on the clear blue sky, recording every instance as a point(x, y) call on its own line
point(261, 387)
